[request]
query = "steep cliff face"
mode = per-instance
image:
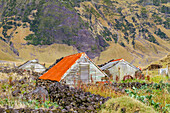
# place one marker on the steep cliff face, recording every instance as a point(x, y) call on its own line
point(136, 30)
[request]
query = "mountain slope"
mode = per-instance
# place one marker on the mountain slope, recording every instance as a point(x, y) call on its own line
point(50, 22)
point(140, 28)
point(136, 30)
point(6, 53)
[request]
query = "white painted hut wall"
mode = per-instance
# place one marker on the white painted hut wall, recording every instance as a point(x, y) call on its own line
point(35, 66)
point(125, 69)
point(96, 73)
point(73, 74)
point(39, 68)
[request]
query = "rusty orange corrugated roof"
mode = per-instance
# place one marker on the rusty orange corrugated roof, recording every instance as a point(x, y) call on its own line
point(57, 71)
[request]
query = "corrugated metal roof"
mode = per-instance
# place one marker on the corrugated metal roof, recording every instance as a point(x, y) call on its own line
point(57, 71)
point(114, 62)
point(28, 62)
point(108, 65)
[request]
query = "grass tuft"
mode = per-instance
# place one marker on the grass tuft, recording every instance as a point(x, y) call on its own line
point(131, 105)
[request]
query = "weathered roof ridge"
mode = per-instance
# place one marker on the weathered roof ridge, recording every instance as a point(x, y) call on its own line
point(121, 59)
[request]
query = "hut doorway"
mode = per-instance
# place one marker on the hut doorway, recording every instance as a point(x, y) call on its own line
point(84, 72)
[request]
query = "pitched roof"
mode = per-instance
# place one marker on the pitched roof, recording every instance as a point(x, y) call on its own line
point(108, 65)
point(114, 62)
point(57, 71)
point(27, 62)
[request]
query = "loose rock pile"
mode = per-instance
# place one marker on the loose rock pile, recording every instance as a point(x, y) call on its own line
point(72, 99)
point(76, 100)
point(44, 83)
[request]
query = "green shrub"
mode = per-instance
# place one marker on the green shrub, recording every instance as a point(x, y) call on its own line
point(119, 10)
point(114, 36)
point(108, 2)
point(133, 42)
point(125, 37)
point(151, 38)
point(167, 23)
point(161, 34)
point(108, 39)
point(6, 27)
point(122, 44)
point(144, 12)
point(156, 2)
point(93, 11)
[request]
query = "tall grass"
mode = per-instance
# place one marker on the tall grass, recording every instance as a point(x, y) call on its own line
point(101, 89)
